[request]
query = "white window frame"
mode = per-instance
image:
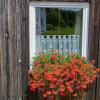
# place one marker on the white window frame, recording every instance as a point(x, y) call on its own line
point(32, 22)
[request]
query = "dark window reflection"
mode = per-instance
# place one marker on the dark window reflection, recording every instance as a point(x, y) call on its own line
point(58, 21)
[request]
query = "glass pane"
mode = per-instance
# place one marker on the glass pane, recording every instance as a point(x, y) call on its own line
point(59, 28)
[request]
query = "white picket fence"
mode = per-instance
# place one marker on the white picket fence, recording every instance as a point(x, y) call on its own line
point(62, 43)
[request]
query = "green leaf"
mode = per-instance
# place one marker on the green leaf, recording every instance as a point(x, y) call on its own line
point(68, 59)
point(50, 69)
point(85, 69)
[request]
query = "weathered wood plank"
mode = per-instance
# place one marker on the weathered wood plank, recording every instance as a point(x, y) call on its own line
point(24, 45)
point(90, 36)
point(18, 45)
point(18, 48)
point(13, 69)
point(98, 79)
point(3, 50)
point(93, 41)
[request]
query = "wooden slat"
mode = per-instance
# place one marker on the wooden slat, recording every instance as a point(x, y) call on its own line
point(49, 43)
point(98, 79)
point(14, 36)
point(18, 48)
point(43, 44)
point(65, 44)
point(60, 44)
point(55, 42)
point(78, 47)
point(24, 22)
point(3, 51)
point(94, 31)
point(38, 41)
point(18, 51)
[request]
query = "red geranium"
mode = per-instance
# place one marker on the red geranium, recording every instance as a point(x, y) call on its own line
point(54, 73)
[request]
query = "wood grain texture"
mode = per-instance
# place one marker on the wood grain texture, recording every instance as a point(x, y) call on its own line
point(13, 33)
point(94, 31)
point(18, 48)
point(25, 44)
point(98, 79)
point(3, 50)
point(13, 45)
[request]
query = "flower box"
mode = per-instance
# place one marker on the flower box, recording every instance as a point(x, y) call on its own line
point(58, 74)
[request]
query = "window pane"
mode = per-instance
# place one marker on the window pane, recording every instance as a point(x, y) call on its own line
point(59, 28)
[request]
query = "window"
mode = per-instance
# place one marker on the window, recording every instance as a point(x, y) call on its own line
point(58, 25)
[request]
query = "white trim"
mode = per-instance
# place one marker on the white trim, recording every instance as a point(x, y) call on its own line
point(32, 32)
point(59, 4)
point(32, 21)
point(85, 31)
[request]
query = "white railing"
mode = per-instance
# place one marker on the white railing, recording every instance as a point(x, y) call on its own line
point(62, 43)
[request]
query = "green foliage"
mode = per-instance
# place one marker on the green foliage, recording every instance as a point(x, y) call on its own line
point(60, 31)
point(60, 22)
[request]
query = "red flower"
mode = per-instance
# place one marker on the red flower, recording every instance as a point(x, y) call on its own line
point(59, 82)
point(53, 80)
point(32, 86)
point(75, 95)
point(54, 92)
point(48, 75)
point(84, 86)
point(70, 89)
point(73, 75)
point(61, 88)
point(48, 92)
point(36, 62)
point(54, 56)
point(52, 85)
point(63, 94)
point(47, 66)
point(45, 95)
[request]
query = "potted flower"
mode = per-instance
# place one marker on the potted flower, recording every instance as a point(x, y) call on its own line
point(58, 74)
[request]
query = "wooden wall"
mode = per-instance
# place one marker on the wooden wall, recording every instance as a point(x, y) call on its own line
point(14, 47)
